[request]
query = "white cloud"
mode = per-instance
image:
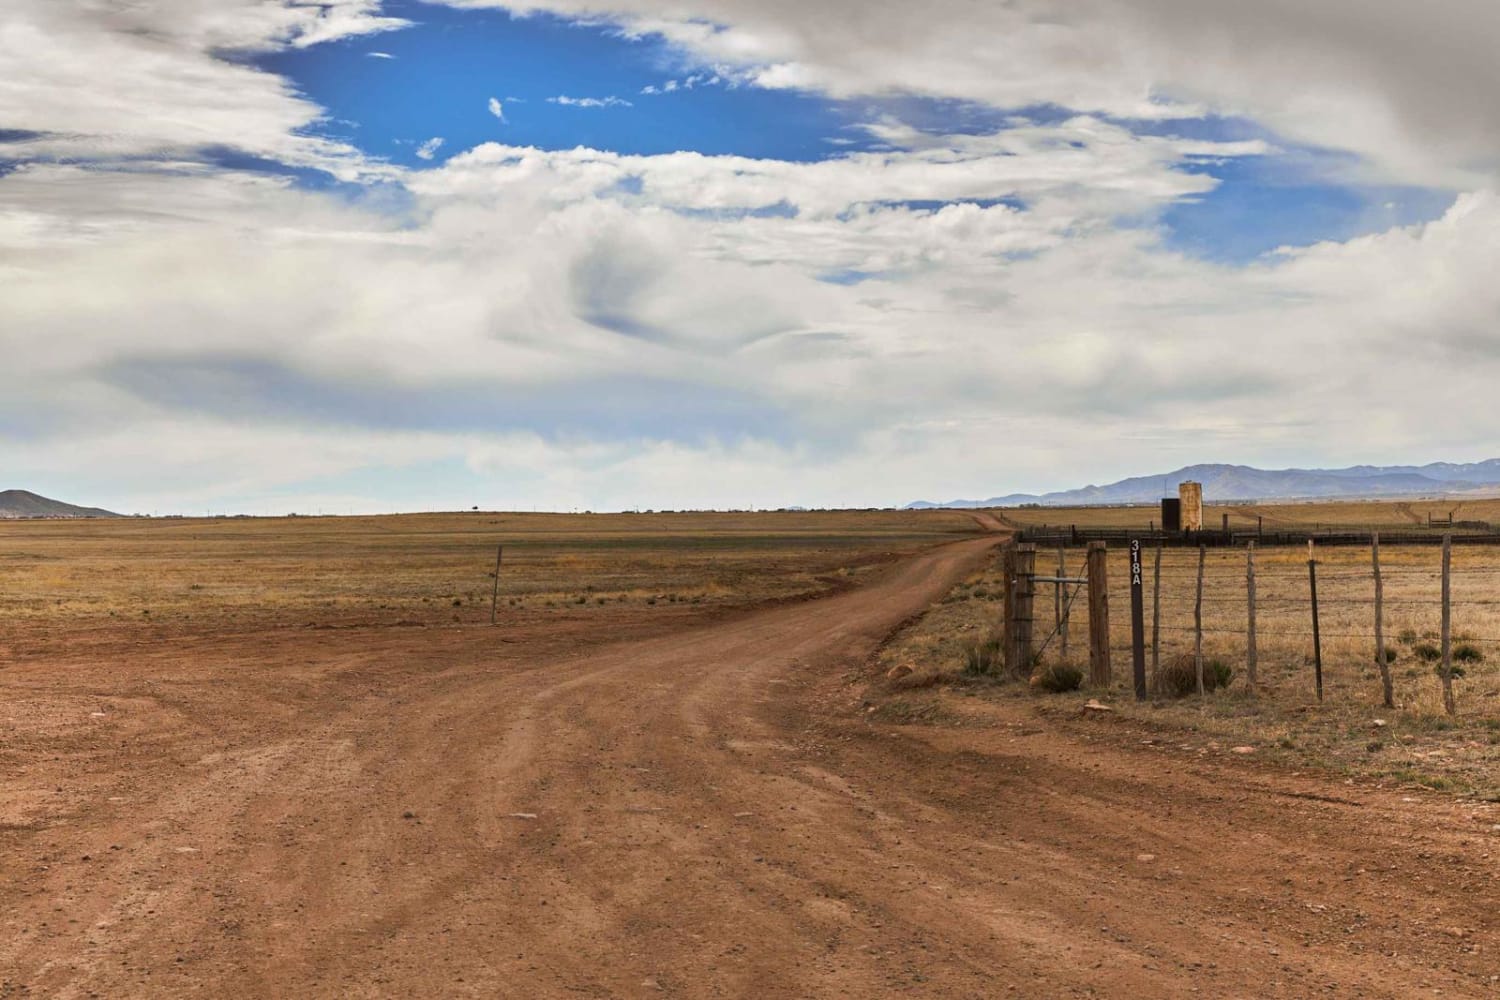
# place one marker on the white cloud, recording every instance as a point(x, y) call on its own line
point(1405, 86)
point(379, 55)
point(145, 80)
point(497, 109)
point(584, 328)
point(429, 149)
point(590, 102)
point(651, 343)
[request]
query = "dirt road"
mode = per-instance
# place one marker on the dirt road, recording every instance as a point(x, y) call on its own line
point(705, 813)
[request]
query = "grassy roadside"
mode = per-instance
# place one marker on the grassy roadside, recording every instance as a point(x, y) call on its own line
point(930, 673)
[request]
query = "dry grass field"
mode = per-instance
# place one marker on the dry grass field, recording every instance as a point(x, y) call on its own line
point(1349, 730)
point(429, 568)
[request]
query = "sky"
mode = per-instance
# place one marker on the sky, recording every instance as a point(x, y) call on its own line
point(264, 256)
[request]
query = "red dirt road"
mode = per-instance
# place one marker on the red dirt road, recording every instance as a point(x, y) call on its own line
point(471, 812)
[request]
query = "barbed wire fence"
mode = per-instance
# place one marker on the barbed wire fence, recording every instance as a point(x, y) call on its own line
point(1281, 609)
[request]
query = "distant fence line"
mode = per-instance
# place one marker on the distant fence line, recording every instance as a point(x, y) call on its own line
point(1052, 536)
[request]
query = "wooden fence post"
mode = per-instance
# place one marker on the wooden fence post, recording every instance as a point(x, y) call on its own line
point(1060, 606)
point(1380, 657)
point(1137, 625)
point(1098, 574)
point(495, 596)
point(1312, 582)
point(1024, 609)
point(1250, 652)
point(1156, 613)
point(1008, 599)
point(1198, 622)
point(1449, 705)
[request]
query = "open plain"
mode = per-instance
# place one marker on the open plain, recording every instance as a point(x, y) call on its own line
point(292, 758)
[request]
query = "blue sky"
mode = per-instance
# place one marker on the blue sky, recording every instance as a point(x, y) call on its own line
point(444, 70)
point(385, 254)
point(391, 93)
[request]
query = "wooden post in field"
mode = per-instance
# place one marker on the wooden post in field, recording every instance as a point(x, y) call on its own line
point(1380, 658)
point(495, 595)
point(1024, 608)
point(1312, 582)
point(1137, 622)
point(1156, 613)
point(1198, 622)
point(1447, 669)
point(1008, 613)
point(1062, 606)
point(1098, 574)
point(1250, 650)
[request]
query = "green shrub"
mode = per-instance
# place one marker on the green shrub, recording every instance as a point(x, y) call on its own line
point(1453, 671)
point(1058, 678)
point(1408, 636)
point(1467, 653)
point(1427, 652)
point(1391, 655)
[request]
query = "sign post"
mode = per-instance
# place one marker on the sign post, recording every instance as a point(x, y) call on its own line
point(1138, 619)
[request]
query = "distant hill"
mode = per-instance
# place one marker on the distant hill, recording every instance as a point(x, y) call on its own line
point(22, 503)
point(1241, 482)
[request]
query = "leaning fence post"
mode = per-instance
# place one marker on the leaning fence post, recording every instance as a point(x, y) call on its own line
point(1250, 652)
point(1312, 580)
point(495, 596)
point(1098, 574)
point(1198, 621)
point(1380, 657)
point(1447, 669)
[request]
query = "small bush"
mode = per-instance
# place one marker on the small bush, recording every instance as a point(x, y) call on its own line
point(1408, 636)
point(1453, 671)
point(984, 658)
point(1178, 676)
point(1427, 652)
point(1466, 653)
point(1058, 678)
point(1222, 673)
point(1391, 655)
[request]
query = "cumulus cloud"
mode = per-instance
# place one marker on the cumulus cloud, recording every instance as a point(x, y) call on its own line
point(1405, 86)
point(954, 314)
point(429, 149)
point(497, 109)
point(92, 81)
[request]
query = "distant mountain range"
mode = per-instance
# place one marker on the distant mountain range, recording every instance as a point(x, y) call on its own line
point(1241, 482)
point(22, 503)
